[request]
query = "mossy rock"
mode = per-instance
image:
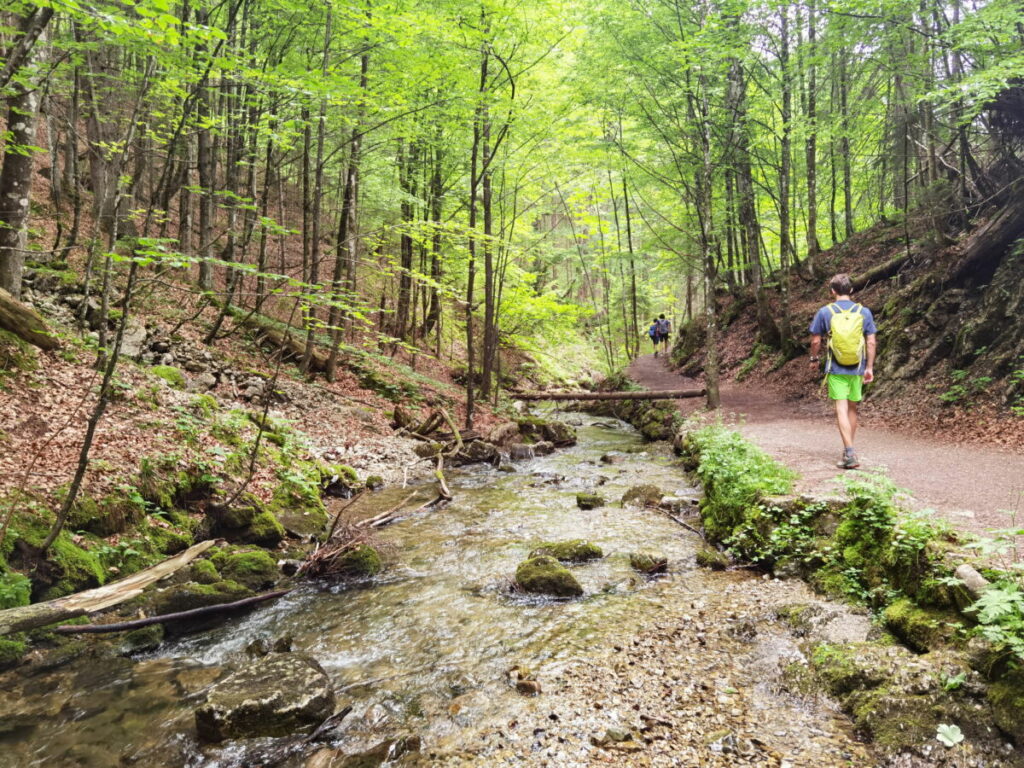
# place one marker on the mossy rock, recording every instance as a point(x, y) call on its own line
point(572, 551)
point(67, 569)
point(589, 500)
point(362, 562)
point(922, 629)
point(204, 572)
point(254, 569)
point(642, 496)
point(205, 405)
point(648, 563)
point(847, 668)
point(185, 597)
point(173, 376)
point(374, 482)
point(265, 530)
point(1006, 698)
point(546, 576)
point(143, 639)
point(709, 557)
point(105, 517)
point(11, 651)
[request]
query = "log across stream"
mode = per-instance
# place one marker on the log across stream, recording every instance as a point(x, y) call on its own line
point(424, 649)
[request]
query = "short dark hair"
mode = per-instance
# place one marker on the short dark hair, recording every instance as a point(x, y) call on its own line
point(662, 315)
point(841, 284)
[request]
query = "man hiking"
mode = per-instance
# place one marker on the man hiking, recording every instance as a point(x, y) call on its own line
point(664, 331)
point(850, 358)
point(653, 333)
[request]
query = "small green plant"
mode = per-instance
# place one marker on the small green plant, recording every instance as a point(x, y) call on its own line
point(954, 682)
point(15, 590)
point(965, 389)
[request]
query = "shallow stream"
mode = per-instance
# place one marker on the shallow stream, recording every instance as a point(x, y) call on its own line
point(425, 649)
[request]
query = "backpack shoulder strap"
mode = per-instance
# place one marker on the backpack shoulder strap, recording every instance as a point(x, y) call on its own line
point(834, 309)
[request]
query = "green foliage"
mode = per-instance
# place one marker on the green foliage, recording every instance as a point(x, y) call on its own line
point(735, 474)
point(758, 354)
point(965, 388)
point(15, 590)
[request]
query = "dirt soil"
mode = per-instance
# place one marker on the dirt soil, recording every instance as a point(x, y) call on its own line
point(970, 485)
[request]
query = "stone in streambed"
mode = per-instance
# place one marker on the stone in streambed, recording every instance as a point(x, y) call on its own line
point(275, 695)
point(520, 452)
point(642, 496)
point(362, 562)
point(648, 563)
point(589, 500)
point(709, 557)
point(546, 576)
point(572, 551)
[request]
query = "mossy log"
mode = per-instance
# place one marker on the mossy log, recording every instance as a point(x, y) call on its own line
point(27, 617)
point(25, 323)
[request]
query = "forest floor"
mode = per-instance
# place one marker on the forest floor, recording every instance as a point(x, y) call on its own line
point(971, 486)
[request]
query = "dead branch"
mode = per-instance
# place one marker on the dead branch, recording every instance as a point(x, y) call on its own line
point(124, 626)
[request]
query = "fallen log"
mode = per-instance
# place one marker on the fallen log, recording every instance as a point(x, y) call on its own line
point(883, 271)
point(25, 323)
point(667, 394)
point(195, 613)
point(27, 617)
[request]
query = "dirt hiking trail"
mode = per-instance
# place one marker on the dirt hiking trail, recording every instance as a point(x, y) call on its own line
point(968, 485)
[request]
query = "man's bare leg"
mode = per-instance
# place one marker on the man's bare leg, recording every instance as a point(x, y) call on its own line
point(846, 417)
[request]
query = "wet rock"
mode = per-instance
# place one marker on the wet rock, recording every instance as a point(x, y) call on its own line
point(709, 557)
point(648, 563)
point(362, 562)
point(680, 505)
point(520, 452)
point(572, 551)
point(545, 576)
point(543, 448)
point(642, 496)
point(185, 597)
point(476, 452)
point(528, 687)
point(612, 458)
point(508, 468)
point(142, 640)
point(558, 433)
point(290, 566)
point(589, 500)
point(276, 695)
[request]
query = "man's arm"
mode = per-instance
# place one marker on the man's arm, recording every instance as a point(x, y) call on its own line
point(869, 369)
point(815, 348)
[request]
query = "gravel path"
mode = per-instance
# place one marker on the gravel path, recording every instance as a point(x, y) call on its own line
point(968, 485)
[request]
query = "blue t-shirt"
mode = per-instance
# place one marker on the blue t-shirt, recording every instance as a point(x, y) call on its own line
point(822, 323)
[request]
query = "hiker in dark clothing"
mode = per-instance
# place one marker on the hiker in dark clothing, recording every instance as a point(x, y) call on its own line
point(653, 333)
point(850, 361)
point(664, 331)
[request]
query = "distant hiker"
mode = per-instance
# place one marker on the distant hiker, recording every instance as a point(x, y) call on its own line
point(653, 333)
point(850, 359)
point(664, 331)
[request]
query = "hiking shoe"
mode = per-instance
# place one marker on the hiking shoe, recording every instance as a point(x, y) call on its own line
point(849, 461)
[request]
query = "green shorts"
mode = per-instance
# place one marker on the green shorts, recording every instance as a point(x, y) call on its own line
point(844, 386)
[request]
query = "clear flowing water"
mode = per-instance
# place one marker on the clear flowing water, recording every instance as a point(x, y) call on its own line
point(425, 649)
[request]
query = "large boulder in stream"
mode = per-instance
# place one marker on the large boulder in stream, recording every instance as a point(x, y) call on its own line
point(275, 695)
point(546, 576)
